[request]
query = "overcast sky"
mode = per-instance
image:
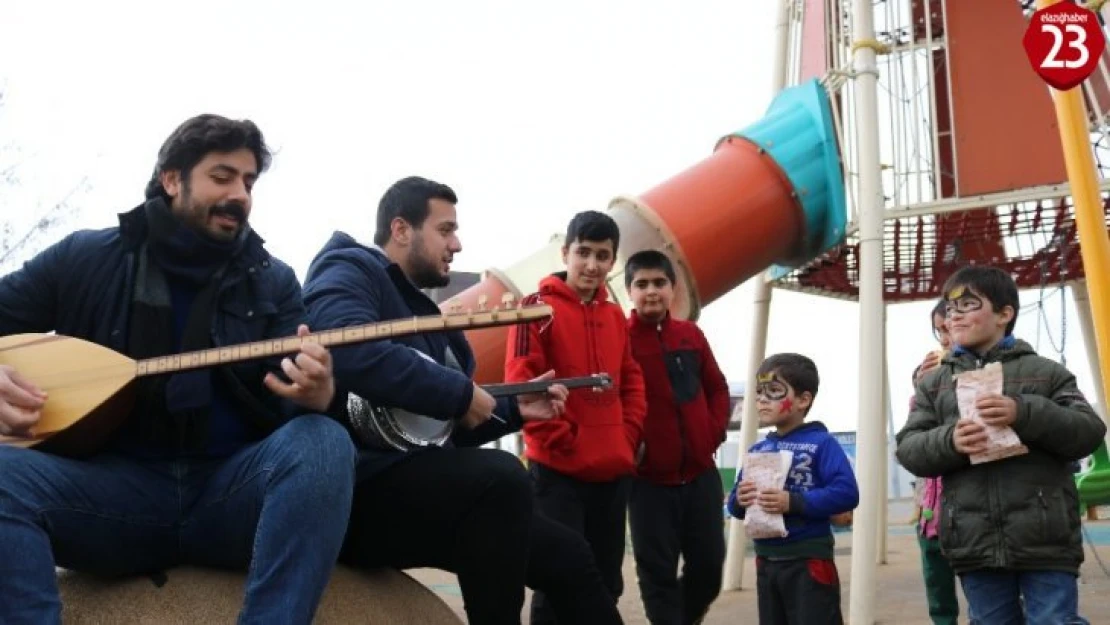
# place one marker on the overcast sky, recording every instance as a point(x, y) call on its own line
point(531, 111)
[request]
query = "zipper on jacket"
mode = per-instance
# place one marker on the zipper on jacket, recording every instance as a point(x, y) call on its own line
point(994, 503)
point(951, 516)
point(1044, 515)
point(678, 412)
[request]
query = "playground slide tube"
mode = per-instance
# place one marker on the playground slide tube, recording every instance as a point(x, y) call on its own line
point(770, 194)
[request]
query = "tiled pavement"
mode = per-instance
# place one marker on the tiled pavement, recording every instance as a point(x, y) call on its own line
point(900, 591)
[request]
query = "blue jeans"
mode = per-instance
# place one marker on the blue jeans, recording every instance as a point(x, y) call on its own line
point(1022, 598)
point(277, 508)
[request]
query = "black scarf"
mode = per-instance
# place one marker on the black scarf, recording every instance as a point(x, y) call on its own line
point(173, 410)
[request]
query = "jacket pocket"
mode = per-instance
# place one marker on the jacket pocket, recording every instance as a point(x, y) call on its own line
point(1056, 517)
point(247, 322)
point(947, 530)
point(684, 372)
point(244, 322)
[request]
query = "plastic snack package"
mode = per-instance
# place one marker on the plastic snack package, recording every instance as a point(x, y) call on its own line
point(971, 385)
point(768, 471)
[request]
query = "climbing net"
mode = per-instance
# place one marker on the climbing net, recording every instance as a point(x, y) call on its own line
point(1035, 241)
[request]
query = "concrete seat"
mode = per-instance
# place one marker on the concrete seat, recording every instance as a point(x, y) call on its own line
point(193, 595)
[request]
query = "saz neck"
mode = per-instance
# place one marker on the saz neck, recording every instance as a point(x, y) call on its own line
point(341, 336)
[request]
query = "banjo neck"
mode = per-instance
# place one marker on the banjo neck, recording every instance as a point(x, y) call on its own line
point(598, 381)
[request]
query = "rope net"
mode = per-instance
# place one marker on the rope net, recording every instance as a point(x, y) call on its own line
point(1036, 242)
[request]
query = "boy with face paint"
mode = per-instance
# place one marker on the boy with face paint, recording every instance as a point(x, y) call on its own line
point(581, 460)
point(1009, 528)
point(675, 504)
point(796, 577)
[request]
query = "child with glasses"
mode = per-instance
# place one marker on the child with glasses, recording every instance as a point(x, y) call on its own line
point(1010, 528)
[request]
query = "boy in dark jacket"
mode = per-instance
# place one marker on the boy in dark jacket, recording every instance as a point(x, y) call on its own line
point(796, 577)
point(581, 460)
point(675, 504)
point(1010, 528)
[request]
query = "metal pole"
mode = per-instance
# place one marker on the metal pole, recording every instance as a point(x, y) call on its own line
point(749, 428)
point(761, 309)
point(1087, 327)
point(1094, 245)
point(870, 438)
point(888, 453)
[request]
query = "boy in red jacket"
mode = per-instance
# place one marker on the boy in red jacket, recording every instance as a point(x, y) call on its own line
point(581, 461)
point(675, 504)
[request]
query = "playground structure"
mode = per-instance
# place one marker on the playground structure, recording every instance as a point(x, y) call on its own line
point(932, 176)
point(938, 177)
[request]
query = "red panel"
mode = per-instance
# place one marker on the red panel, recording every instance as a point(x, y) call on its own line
point(815, 43)
point(1005, 124)
point(946, 156)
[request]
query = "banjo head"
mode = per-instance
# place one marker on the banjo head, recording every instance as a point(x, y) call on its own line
point(395, 429)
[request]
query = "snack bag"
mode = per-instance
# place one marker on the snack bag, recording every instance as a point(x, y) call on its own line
point(768, 471)
point(970, 386)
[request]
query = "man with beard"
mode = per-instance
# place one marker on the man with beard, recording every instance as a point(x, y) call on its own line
point(459, 508)
point(231, 467)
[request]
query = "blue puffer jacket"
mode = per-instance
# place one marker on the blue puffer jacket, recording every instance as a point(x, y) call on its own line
point(82, 287)
point(350, 284)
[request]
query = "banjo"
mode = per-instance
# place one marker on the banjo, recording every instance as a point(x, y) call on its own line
point(381, 428)
point(90, 387)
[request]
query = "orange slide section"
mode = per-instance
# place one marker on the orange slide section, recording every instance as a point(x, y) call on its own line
point(770, 194)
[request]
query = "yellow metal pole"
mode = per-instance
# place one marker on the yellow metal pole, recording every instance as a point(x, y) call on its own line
point(1071, 115)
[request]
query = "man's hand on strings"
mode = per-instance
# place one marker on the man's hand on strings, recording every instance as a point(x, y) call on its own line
point(311, 382)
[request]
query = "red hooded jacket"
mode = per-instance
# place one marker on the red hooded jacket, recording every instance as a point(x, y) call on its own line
point(595, 439)
point(687, 399)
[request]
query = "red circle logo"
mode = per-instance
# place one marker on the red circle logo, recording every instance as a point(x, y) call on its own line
point(1064, 43)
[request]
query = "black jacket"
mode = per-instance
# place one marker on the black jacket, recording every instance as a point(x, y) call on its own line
point(1020, 513)
point(82, 287)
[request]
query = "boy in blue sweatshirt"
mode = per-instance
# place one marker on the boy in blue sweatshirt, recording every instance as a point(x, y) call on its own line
point(796, 578)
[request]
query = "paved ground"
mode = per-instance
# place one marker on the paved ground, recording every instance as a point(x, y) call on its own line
point(900, 591)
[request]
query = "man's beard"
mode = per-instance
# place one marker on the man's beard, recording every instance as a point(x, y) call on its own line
point(425, 272)
point(198, 216)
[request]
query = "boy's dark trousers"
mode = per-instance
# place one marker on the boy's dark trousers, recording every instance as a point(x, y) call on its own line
point(668, 521)
point(940, 583)
point(798, 592)
point(597, 511)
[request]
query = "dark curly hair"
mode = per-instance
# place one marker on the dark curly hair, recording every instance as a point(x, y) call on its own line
point(200, 135)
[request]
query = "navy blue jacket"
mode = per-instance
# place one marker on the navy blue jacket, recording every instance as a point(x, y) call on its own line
point(351, 284)
point(82, 287)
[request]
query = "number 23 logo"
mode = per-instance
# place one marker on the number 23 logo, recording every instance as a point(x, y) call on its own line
point(1079, 43)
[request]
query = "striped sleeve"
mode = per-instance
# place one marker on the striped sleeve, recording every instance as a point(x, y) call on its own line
point(525, 357)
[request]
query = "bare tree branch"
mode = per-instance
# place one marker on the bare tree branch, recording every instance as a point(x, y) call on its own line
point(19, 239)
